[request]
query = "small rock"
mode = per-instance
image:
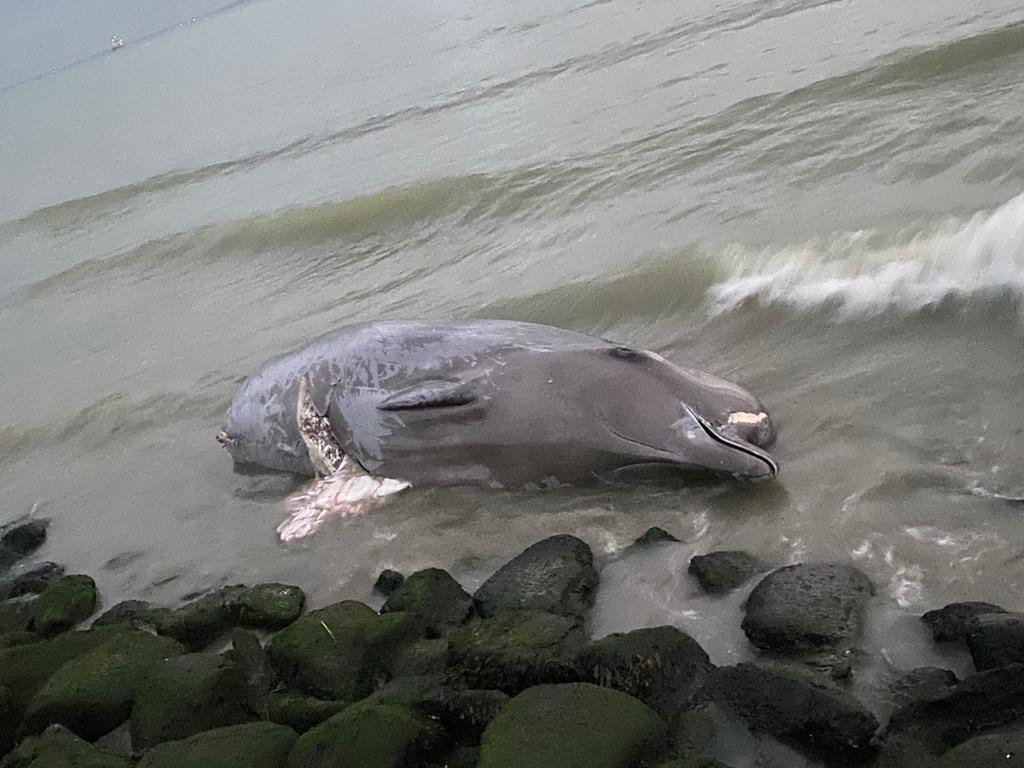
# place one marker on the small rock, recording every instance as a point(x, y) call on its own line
point(996, 640)
point(57, 747)
point(260, 678)
point(252, 745)
point(555, 575)
point(719, 572)
point(270, 606)
point(796, 707)
point(24, 538)
point(8, 557)
point(35, 580)
point(388, 582)
point(135, 613)
point(661, 666)
point(807, 607)
point(922, 684)
point(513, 650)
point(66, 602)
point(302, 712)
point(434, 598)
point(368, 735)
point(93, 694)
point(571, 726)
point(949, 624)
point(1005, 750)
point(184, 695)
point(198, 623)
point(654, 535)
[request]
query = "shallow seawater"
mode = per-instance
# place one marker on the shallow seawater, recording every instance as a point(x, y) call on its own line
point(822, 200)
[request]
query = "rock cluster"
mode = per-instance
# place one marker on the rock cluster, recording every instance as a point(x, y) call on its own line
point(507, 676)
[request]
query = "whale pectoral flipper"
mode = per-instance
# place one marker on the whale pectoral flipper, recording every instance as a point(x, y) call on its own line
point(431, 394)
point(350, 491)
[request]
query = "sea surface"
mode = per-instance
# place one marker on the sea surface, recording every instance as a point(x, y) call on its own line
point(820, 199)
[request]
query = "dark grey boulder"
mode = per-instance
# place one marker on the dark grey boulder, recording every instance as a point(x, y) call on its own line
point(996, 640)
point(555, 575)
point(661, 666)
point(434, 598)
point(1005, 750)
point(922, 684)
point(388, 582)
point(653, 536)
point(24, 537)
point(949, 624)
point(266, 606)
point(514, 650)
point(807, 607)
point(796, 707)
point(723, 571)
point(197, 623)
point(984, 701)
point(8, 557)
point(260, 678)
point(17, 614)
point(33, 581)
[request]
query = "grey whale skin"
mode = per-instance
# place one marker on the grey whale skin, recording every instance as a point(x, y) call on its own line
point(498, 404)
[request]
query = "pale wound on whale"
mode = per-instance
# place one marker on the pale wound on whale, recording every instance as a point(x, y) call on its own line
point(347, 489)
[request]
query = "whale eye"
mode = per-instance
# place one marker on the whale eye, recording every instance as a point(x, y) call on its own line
point(626, 353)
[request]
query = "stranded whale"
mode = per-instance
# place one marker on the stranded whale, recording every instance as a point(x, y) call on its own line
point(377, 407)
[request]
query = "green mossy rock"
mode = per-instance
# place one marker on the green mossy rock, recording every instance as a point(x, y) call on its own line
point(17, 614)
point(184, 695)
point(260, 678)
point(57, 747)
point(578, 725)
point(434, 598)
point(93, 693)
point(65, 603)
point(367, 735)
point(253, 745)
point(513, 650)
point(20, 637)
point(420, 657)
point(270, 606)
point(338, 652)
point(135, 613)
point(302, 712)
point(198, 623)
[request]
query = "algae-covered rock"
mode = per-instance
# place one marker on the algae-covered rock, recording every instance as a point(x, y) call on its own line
point(17, 614)
point(326, 653)
point(252, 745)
point(24, 536)
point(94, 692)
point(434, 598)
point(513, 650)
point(718, 572)
point(419, 657)
point(57, 747)
point(571, 726)
point(949, 623)
point(368, 735)
point(184, 695)
point(260, 677)
point(555, 575)
point(134, 613)
point(32, 581)
point(269, 606)
point(807, 606)
point(388, 581)
point(65, 603)
point(196, 624)
point(302, 712)
point(661, 666)
point(18, 637)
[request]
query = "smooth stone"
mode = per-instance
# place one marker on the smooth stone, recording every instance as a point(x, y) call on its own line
point(807, 607)
point(94, 693)
point(996, 640)
point(388, 581)
point(949, 623)
point(719, 572)
point(434, 598)
point(368, 735)
point(252, 745)
point(420, 657)
point(31, 581)
point(513, 650)
point(661, 666)
point(923, 684)
point(577, 725)
point(555, 575)
point(65, 603)
point(57, 747)
point(268, 606)
point(302, 712)
point(199, 622)
point(796, 707)
point(135, 613)
point(184, 695)
point(1005, 750)
point(653, 536)
point(24, 538)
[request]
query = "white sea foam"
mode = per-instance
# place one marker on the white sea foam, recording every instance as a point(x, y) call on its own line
point(864, 273)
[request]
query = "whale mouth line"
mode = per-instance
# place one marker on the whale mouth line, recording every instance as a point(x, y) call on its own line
point(741, 446)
